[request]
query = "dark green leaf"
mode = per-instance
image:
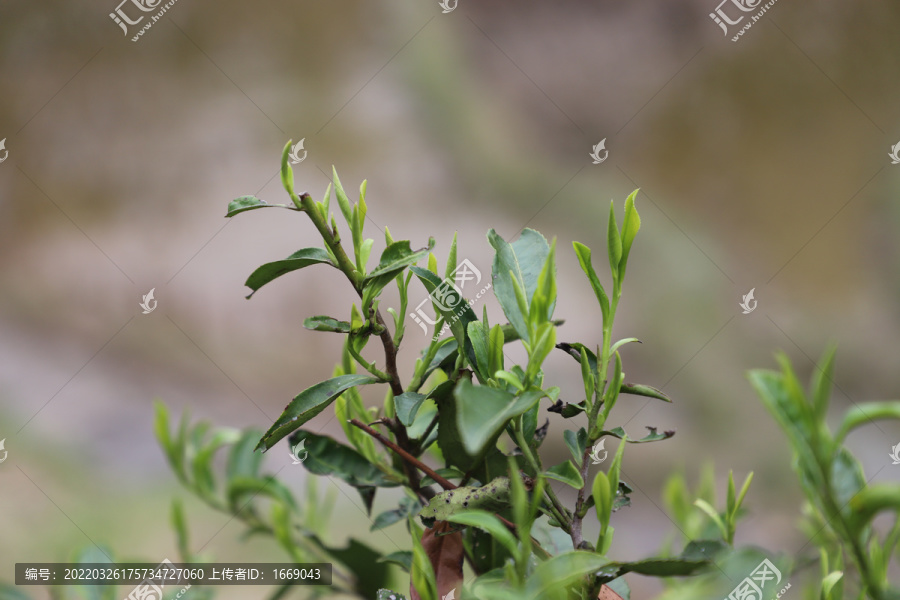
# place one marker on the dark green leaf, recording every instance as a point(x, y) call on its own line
point(401, 558)
point(363, 562)
point(637, 389)
point(407, 405)
point(389, 517)
point(653, 436)
point(576, 443)
point(326, 456)
point(397, 257)
point(703, 550)
point(482, 412)
point(325, 323)
point(451, 305)
point(567, 473)
point(297, 260)
point(388, 594)
point(308, 403)
point(245, 203)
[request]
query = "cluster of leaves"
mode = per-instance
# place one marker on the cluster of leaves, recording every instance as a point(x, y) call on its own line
point(840, 504)
point(465, 404)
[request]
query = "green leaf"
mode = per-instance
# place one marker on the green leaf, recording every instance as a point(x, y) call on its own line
point(661, 567)
point(242, 460)
point(614, 244)
point(181, 531)
point(829, 581)
point(482, 412)
point(287, 173)
point(487, 522)
point(713, 514)
point(455, 309)
point(867, 412)
point(630, 226)
point(603, 500)
point(241, 491)
point(245, 203)
point(407, 405)
point(479, 336)
point(401, 558)
point(584, 259)
point(562, 571)
point(397, 257)
point(567, 473)
point(821, 383)
point(326, 456)
point(522, 262)
point(653, 436)
point(389, 517)
point(363, 562)
point(326, 323)
point(576, 443)
point(308, 403)
point(297, 260)
point(343, 200)
point(636, 389)
point(703, 550)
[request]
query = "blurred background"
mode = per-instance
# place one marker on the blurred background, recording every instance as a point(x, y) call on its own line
point(763, 164)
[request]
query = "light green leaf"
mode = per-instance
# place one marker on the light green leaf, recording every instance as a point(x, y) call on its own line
point(489, 523)
point(297, 260)
point(867, 412)
point(307, 404)
point(614, 244)
point(567, 473)
point(584, 259)
point(576, 443)
point(820, 386)
point(561, 571)
point(287, 173)
point(397, 257)
point(326, 323)
point(603, 499)
point(630, 226)
point(343, 200)
point(245, 203)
